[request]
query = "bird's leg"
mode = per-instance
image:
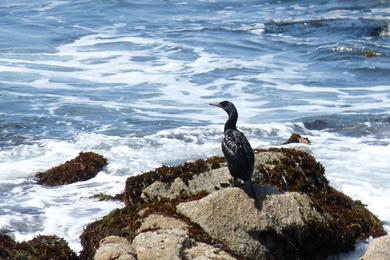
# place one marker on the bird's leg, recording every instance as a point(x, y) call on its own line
point(235, 182)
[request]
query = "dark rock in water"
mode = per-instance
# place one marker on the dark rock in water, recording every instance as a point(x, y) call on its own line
point(105, 197)
point(41, 247)
point(82, 168)
point(296, 138)
point(317, 124)
point(348, 26)
point(186, 210)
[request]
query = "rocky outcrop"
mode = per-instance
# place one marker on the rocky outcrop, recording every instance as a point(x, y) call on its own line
point(379, 249)
point(231, 217)
point(297, 138)
point(208, 181)
point(202, 251)
point(190, 212)
point(41, 247)
point(160, 244)
point(115, 248)
point(84, 167)
point(158, 237)
point(136, 184)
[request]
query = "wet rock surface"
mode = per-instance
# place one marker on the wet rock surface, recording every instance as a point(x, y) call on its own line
point(84, 167)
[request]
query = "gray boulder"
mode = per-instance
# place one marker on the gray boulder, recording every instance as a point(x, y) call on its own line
point(163, 237)
point(379, 249)
point(156, 221)
point(160, 244)
point(202, 251)
point(115, 248)
point(208, 181)
point(231, 217)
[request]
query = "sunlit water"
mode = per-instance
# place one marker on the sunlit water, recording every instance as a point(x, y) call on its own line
point(132, 80)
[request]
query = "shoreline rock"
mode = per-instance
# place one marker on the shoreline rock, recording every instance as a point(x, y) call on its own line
point(379, 249)
point(84, 167)
point(297, 138)
point(296, 213)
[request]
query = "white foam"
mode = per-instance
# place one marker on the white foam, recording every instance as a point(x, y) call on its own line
point(51, 5)
point(358, 167)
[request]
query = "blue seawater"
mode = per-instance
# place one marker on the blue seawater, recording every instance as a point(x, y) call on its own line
point(132, 80)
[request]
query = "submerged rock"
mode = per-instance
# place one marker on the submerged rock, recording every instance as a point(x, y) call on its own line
point(41, 247)
point(176, 212)
point(379, 249)
point(84, 167)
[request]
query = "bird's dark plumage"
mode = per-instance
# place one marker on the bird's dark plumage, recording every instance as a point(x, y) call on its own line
point(236, 148)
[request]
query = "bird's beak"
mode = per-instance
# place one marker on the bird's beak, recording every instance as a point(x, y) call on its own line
point(215, 104)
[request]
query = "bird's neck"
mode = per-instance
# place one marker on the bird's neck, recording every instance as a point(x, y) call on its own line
point(232, 121)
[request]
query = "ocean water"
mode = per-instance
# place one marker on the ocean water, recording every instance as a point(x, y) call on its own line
point(132, 80)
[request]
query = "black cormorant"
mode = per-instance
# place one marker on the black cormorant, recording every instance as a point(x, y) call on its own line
point(236, 148)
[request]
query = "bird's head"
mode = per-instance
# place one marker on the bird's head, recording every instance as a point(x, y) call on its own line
point(225, 105)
